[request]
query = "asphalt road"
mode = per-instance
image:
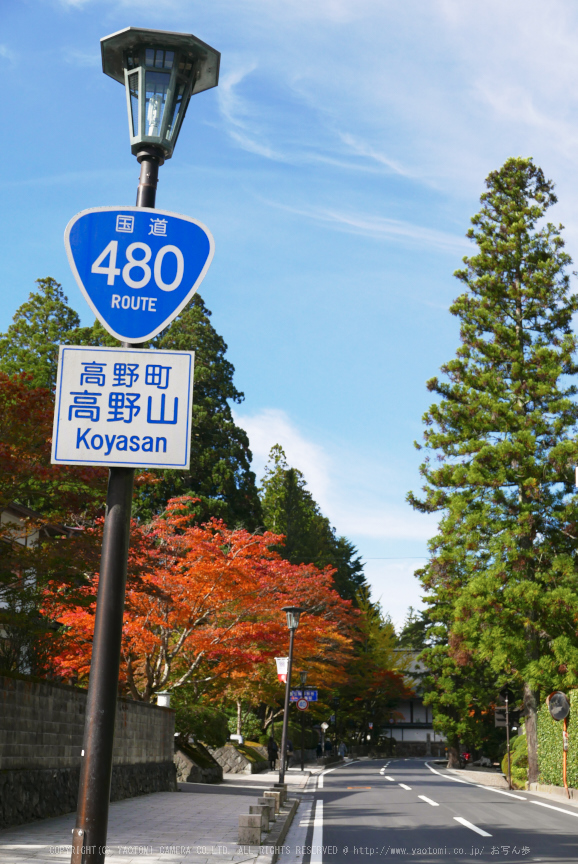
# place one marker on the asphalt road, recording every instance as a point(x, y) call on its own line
point(401, 810)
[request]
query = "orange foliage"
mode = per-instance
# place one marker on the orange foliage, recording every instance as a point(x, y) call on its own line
point(26, 475)
point(203, 607)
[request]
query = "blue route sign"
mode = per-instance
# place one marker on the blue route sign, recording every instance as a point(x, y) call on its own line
point(137, 267)
point(309, 695)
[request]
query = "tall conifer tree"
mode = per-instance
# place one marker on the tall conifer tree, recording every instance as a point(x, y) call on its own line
point(503, 451)
point(39, 326)
point(290, 509)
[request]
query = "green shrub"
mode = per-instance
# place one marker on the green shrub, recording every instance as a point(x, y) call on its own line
point(202, 723)
point(550, 745)
point(518, 761)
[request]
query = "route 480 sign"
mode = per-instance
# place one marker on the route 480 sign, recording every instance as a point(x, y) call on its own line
point(137, 267)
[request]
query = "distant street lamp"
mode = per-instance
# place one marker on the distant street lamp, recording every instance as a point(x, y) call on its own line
point(161, 71)
point(303, 676)
point(293, 614)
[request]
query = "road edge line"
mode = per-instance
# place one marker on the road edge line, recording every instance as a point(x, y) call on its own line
point(317, 839)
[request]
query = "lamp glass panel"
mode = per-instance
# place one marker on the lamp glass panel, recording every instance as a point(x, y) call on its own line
point(177, 108)
point(293, 620)
point(156, 87)
point(132, 61)
point(133, 90)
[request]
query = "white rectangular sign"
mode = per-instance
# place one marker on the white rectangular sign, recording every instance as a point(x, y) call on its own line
point(123, 407)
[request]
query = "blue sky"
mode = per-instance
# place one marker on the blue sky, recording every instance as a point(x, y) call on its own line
point(337, 165)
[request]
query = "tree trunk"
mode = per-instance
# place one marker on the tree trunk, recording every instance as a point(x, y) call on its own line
point(239, 716)
point(530, 711)
point(453, 755)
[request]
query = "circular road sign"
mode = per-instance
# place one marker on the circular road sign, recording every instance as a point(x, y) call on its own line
point(302, 704)
point(558, 705)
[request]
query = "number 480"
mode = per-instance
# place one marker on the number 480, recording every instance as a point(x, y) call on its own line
point(112, 271)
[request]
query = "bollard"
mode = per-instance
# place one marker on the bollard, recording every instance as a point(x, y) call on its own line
point(270, 805)
point(275, 796)
point(250, 829)
point(282, 788)
point(263, 811)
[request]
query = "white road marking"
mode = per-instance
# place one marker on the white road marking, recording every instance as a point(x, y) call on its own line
point(551, 807)
point(447, 776)
point(501, 791)
point(472, 827)
point(390, 779)
point(329, 770)
point(403, 786)
point(317, 840)
point(428, 801)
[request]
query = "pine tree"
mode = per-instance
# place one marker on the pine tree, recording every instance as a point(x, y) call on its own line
point(502, 436)
point(220, 474)
point(290, 509)
point(39, 326)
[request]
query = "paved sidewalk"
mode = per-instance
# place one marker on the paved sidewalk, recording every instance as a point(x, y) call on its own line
point(198, 826)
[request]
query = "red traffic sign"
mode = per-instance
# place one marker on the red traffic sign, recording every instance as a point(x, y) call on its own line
point(302, 704)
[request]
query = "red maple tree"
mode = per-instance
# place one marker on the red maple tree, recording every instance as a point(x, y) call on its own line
point(203, 607)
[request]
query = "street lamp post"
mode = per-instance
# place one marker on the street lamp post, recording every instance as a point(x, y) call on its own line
point(293, 614)
point(303, 676)
point(161, 71)
point(336, 706)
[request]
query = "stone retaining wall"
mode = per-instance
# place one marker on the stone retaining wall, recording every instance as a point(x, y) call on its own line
point(232, 761)
point(41, 732)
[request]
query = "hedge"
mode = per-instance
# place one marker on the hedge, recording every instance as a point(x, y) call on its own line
point(550, 745)
point(518, 761)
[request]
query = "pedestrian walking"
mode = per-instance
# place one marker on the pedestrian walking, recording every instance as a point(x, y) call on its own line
point(342, 749)
point(272, 751)
point(288, 753)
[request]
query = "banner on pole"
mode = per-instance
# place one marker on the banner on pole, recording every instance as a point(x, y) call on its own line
point(282, 664)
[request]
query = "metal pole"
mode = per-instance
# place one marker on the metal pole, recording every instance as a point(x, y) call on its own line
point(89, 835)
point(286, 711)
point(508, 743)
point(150, 158)
point(302, 738)
point(565, 756)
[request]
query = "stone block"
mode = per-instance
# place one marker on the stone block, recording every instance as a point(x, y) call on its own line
point(250, 829)
point(263, 811)
point(275, 796)
point(282, 788)
point(270, 805)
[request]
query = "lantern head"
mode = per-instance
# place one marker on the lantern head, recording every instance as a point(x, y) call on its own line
point(293, 614)
point(160, 71)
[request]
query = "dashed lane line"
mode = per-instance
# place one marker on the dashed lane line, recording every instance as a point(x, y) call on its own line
point(391, 779)
point(428, 800)
point(471, 826)
point(403, 786)
point(500, 792)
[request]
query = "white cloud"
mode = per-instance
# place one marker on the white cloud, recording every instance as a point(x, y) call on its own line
point(395, 585)
point(271, 426)
point(7, 53)
point(82, 58)
point(352, 490)
point(381, 228)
